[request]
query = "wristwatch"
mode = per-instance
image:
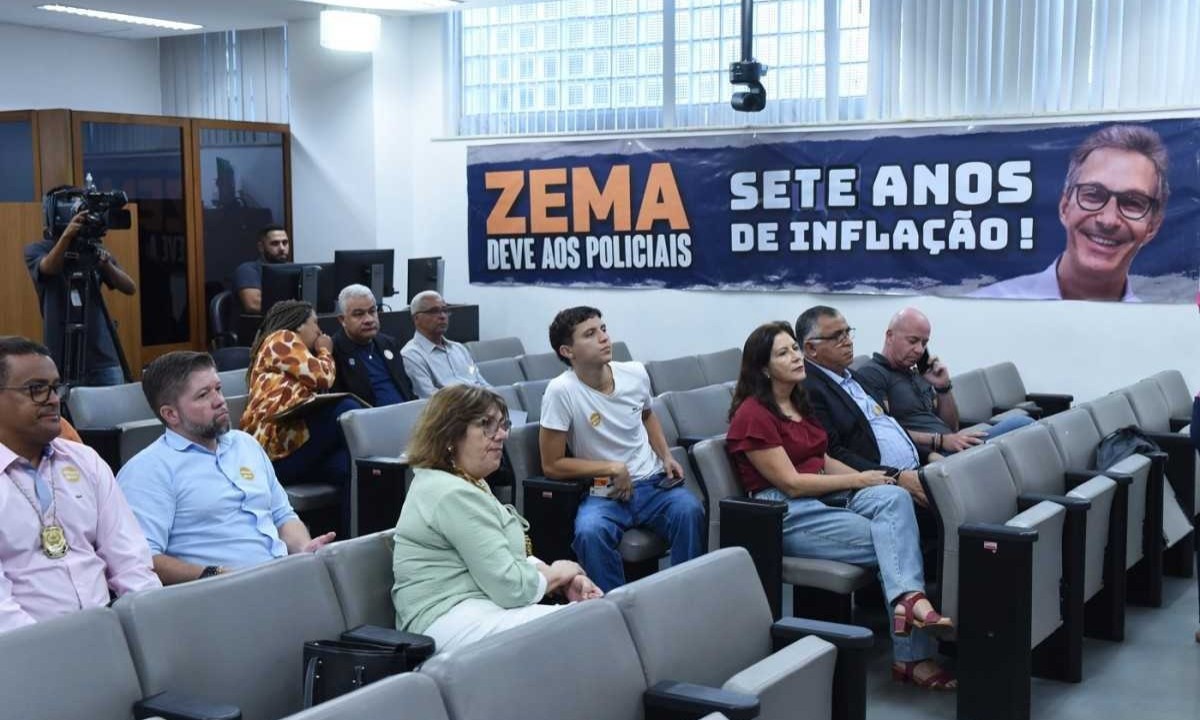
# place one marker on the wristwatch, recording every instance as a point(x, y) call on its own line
point(943, 390)
point(210, 570)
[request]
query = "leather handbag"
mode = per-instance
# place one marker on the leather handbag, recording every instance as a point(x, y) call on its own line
point(336, 667)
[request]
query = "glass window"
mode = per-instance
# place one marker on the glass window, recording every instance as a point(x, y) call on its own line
point(16, 162)
point(146, 161)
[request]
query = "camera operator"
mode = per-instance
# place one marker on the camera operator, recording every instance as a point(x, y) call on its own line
point(49, 262)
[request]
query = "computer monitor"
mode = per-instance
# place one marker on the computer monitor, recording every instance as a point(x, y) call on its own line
point(424, 274)
point(373, 268)
point(311, 282)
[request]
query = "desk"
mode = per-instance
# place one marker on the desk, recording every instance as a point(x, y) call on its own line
point(464, 325)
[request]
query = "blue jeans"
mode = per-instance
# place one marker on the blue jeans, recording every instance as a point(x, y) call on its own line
point(100, 376)
point(1007, 425)
point(878, 529)
point(324, 458)
point(676, 514)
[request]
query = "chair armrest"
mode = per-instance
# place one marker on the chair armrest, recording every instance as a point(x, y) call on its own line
point(175, 706)
point(1177, 424)
point(686, 441)
point(540, 483)
point(415, 648)
point(757, 525)
point(1051, 403)
point(997, 533)
point(550, 507)
point(105, 441)
point(1033, 412)
point(1072, 504)
point(790, 629)
point(1075, 478)
point(676, 700)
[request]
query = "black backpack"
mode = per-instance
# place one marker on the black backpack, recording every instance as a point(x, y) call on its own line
point(1122, 443)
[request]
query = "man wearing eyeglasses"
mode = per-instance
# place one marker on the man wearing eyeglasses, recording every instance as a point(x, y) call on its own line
point(861, 433)
point(68, 540)
point(1113, 204)
point(432, 360)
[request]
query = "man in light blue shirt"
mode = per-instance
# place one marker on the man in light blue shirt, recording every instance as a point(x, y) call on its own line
point(431, 360)
point(206, 496)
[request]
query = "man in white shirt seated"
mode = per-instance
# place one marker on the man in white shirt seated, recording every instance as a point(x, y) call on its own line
point(601, 409)
point(432, 360)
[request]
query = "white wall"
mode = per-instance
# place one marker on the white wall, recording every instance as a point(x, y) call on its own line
point(1083, 348)
point(48, 69)
point(333, 163)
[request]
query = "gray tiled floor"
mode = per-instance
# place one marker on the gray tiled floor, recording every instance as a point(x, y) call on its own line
point(1154, 674)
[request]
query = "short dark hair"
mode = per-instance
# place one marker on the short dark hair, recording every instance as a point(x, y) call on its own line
point(562, 328)
point(268, 229)
point(15, 345)
point(807, 322)
point(163, 379)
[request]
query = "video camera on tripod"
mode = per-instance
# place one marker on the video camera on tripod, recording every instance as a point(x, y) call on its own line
point(103, 211)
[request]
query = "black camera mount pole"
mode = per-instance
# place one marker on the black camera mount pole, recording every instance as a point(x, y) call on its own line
point(81, 281)
point(748, 71)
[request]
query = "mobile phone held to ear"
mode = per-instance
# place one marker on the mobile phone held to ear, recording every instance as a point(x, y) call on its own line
point(923, 363)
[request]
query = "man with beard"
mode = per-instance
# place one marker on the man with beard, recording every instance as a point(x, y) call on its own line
point(1112, 205)
point(206, 496)
point(274, 247)
point(67, 539)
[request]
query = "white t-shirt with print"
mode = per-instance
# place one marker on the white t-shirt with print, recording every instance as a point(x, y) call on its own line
point(604, 427)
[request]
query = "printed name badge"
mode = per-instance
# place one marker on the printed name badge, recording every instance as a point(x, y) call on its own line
point(388, 354)
point(594, 419)
point(246, 473)
point(70, 473)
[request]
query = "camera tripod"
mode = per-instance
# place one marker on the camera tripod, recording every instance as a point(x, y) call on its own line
point(82, 280)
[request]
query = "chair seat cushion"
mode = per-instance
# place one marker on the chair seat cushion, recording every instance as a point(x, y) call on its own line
point(638, 545)
point(312, 496)
point(838, 577)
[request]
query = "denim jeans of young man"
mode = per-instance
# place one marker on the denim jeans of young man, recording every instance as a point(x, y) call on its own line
point(674, 513)
point(877, 529)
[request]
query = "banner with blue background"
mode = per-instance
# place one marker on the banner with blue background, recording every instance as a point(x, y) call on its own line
point(994, 212)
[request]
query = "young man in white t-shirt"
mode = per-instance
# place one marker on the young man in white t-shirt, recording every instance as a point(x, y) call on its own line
point(602, 410)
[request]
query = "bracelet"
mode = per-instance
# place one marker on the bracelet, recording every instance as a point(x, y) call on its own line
point(943, 390)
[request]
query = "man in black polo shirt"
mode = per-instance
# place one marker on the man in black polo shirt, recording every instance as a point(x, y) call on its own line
point(368, 362)
point(48, 264)
point(921, 400)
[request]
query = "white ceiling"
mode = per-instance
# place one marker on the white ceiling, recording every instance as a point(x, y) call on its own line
point(214, 15)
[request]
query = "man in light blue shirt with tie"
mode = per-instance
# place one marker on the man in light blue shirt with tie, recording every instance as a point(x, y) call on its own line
point(206, 496)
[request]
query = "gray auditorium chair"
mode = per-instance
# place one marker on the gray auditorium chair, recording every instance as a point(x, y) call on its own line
point(235, 639)
point(103, 414)
point(506, 347)
point(509, 393)
point(361, 572)
point(1093, 552)
point(233, 382)
point(376, 439)
point(721, 366)
point(974, 400)
point(541, 366)
point(659, 407)
point(519, 674)
point(820, 588)
point(1179, 398)
point(788, 664)
point(237, 407)
point(1008, 391)
point(524, 457)
point(859, 362)
point(75, 667)
point(1154, 418)
point(140, 434)
point(681, 373)
point(1001, 574)
point(408, 696)
point(620, 352)
point(530, 393)
point(699, 413)
point(501, 371)
point(1076, 437)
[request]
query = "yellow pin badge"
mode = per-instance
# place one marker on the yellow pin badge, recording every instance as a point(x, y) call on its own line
point(594, 419)
point(71, 474)
point(246, 473)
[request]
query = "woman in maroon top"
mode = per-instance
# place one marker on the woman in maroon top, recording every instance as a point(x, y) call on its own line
point(778, 450)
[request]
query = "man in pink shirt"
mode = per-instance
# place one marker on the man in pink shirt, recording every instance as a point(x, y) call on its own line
point(67, 536)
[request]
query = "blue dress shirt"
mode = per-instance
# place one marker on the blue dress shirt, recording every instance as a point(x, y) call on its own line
point(207, 508)
point(896, 449)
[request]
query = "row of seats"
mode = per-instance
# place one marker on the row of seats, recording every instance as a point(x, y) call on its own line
point(509, 369)
point(234, 644)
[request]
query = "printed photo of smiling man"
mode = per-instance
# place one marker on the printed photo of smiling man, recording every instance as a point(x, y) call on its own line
point(1113, 203)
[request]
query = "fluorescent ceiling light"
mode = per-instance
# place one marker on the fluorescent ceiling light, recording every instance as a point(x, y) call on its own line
point(394, 4)
point(121, 17)
point(352, 31)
